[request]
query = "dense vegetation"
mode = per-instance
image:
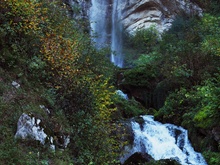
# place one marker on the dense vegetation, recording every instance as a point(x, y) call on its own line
point(53, 60)
point(179, 74)
point(51, 56)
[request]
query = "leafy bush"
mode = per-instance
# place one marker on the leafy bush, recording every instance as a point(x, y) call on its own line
point(142, 75)
point(68, 74)
point(128, 108)
point(212, 158)
point(208, 108)
point(200, 104)
point(175, 106)
point(143, 41)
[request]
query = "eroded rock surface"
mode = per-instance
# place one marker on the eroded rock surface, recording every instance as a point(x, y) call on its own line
point(31, 127)
point(137, 14)
point(160, 13)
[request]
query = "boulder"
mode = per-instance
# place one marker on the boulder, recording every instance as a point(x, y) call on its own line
point(145, 159)
point(15, 84)
point(137, 158)
point(31, 127)
point(168, 162)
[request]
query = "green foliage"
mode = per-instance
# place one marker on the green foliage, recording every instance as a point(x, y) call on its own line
point(140, 76)
point(20, 26)
point(50, 96)
point(210, 33)
point(92, 122)
point(37, 67)
point(14, 102)
point(209, 6)
point(208, 114)
point(181, 71)
point(128, 108)
point(145, 73)
point(43, 49)
point(212, 158)
point(148, 59)
point(181, 57)
point(199, 106)
point(46, 51)
point(143, 41)
point(175, 106)
point(82, 89)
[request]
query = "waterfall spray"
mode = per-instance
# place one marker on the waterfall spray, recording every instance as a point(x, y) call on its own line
point(163, 141)
point(98, 22)
point(101, 25)
point(116, 35)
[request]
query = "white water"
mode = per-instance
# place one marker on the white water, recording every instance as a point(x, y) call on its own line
point(163, 141)
point(116, 35)
point(98, 22)
point(101, 21)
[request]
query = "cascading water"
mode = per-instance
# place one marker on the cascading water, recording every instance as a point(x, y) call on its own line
point(163, 141)
point(116, 35)
point(98, 22)
point(101, 24)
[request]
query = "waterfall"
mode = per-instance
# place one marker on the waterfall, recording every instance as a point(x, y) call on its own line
point(163, 141)
point(106, 28)
point(116, 35)
point(98, 22)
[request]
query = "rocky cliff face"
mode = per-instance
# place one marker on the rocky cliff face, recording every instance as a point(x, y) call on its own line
point(79, 8)
point(137, 14)
point(160, 13)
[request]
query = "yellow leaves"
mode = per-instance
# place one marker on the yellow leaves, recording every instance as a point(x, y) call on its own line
point(61, 53)
point(57, 87)
point(44, 11)
point(67, 67)
point(25, 14)
point(102, 93)
point(62, 48)
point(218, 52)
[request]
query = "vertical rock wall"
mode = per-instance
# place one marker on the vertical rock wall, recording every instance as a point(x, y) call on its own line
point(138, 14)
point(160, 13)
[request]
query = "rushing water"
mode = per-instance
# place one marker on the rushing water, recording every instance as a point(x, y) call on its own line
point(116, 35)
point(106, 28)
point(99, 22)
point(163, 141)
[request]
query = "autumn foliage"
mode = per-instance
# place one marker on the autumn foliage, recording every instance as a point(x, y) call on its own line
point(47, 45)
